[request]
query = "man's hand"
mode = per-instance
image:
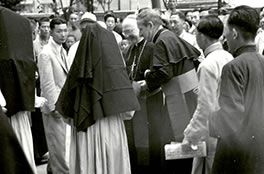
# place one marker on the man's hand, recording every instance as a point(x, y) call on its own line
point(4, 109)
point(143, 84)
point(191, 140)
point(136, 87)
point(39, 101)
point(56, 114)
point(186, 144)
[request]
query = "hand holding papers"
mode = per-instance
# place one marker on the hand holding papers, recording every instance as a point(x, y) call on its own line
point(181, 151)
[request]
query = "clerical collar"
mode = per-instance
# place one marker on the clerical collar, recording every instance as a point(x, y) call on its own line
point(215, 46)
point(139, 42)
point(156, 35)
point(244, 49)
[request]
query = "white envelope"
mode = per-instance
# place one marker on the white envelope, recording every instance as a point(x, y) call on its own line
point(182, 151)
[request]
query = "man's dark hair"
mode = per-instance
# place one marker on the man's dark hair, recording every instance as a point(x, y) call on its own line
point(189, 22)
point(109, 14)
point(211, 26)
point(43, 19)
point(144, 8)
point(180, 14)
point(246, 20)
point(56, 21)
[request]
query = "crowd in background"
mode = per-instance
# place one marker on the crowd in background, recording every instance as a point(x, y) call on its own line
point(110, 94)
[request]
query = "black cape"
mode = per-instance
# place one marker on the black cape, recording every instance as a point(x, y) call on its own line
point(97, 84)
point(17, 66)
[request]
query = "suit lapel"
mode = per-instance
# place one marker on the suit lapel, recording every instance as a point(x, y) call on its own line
point(59, 59)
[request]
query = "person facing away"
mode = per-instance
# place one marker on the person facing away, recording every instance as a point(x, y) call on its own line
point(209, 30)
point(17, 72)
point(53, 69)
point(238, 124)
point(97, 96)
point(172, 59)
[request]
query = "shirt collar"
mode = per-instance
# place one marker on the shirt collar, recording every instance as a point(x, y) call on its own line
point(42, 42)
point(183, 33)
point(160, 29)
point(243, 49)
point(213, 47)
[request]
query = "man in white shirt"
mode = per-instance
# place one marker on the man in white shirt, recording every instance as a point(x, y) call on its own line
point(209, 31)
point(259, 40)
point(43, 36)
point(177, 20)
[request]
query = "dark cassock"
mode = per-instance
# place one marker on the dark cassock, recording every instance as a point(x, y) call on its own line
point(239, 123)
point(13, 159)
point(139, 58)
point(97, 96)
point(172, 81)
point(17, 76)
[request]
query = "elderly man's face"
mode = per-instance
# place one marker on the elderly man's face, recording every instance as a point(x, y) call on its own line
point(130, 32)
point(145, 31)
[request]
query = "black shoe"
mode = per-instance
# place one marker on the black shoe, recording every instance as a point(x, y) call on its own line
point(42, 160)
point(49, 169)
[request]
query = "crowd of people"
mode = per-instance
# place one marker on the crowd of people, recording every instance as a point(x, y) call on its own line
point(105, 97)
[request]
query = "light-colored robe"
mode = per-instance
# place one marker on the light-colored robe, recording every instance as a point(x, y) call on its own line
point(21, 126)
point(102, 149)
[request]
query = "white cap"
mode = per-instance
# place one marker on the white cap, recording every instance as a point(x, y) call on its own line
point(88, 15)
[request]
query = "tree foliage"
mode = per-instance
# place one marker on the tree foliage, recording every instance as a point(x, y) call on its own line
point(103, 3)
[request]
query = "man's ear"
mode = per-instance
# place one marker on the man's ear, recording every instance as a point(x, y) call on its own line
point(235, 33)
point(150, 24)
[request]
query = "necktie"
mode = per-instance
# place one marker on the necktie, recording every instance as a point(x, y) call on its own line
point(63, 57)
